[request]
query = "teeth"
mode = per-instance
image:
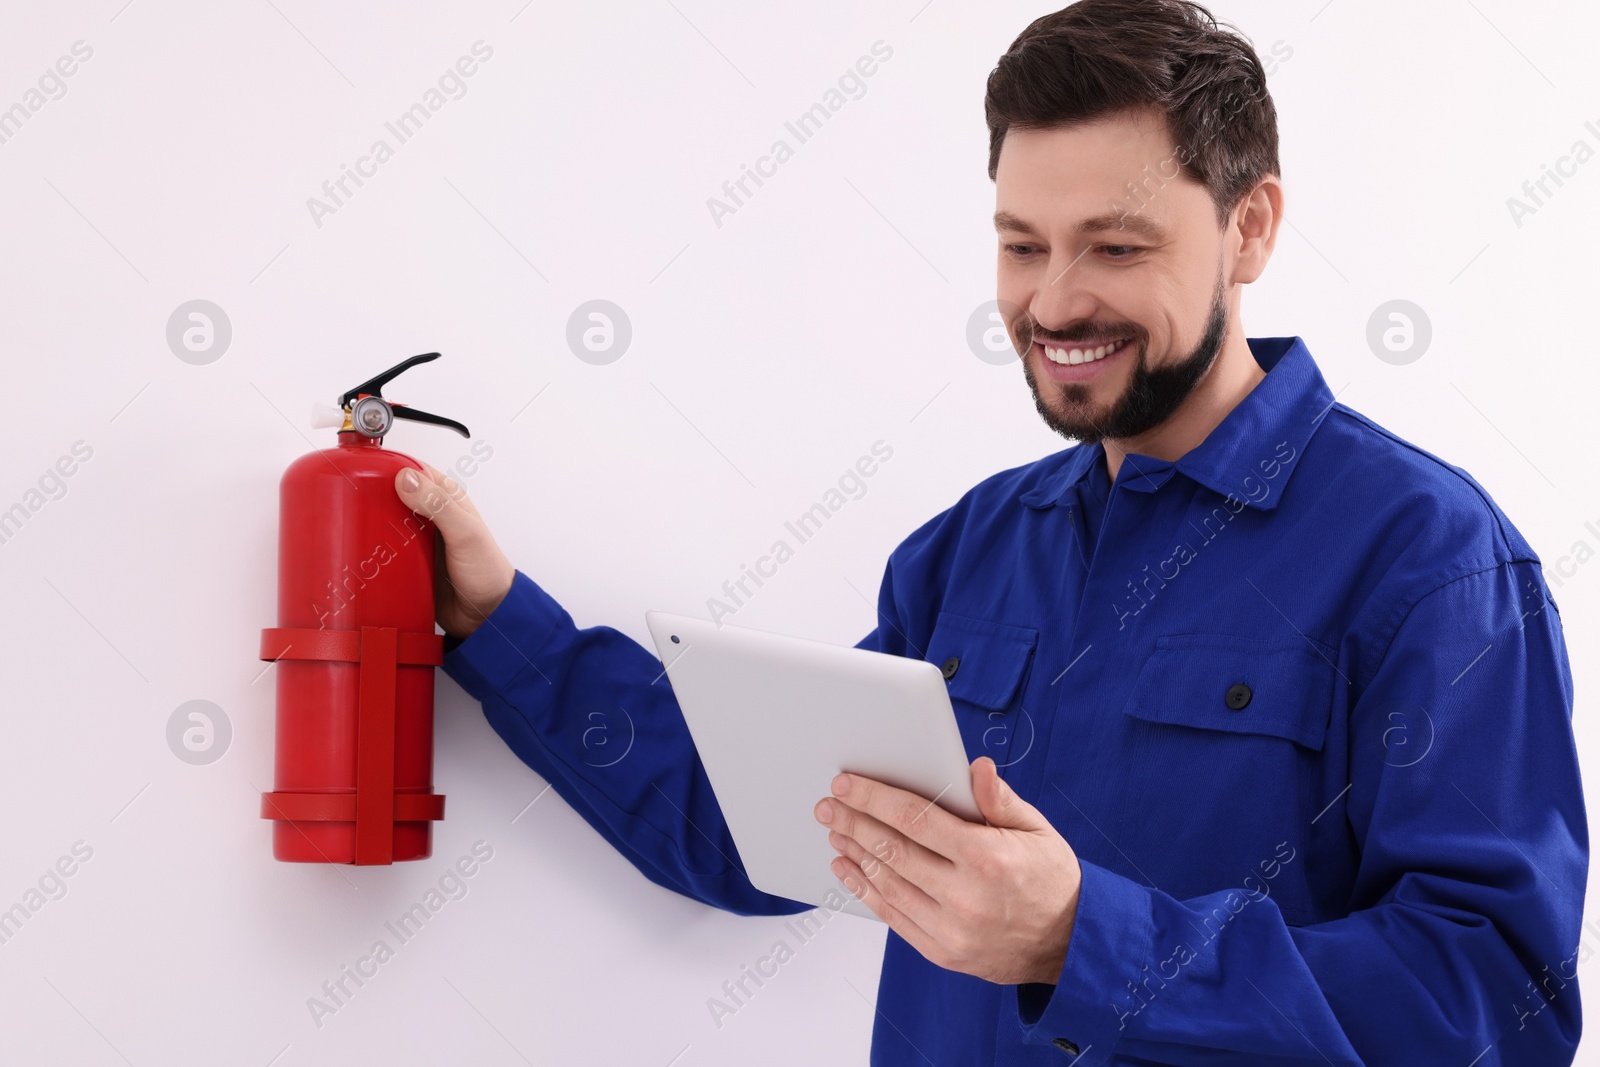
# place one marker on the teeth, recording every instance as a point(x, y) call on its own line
point(1075, 356)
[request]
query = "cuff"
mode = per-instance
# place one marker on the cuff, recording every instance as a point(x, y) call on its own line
point(503, 645)
point(1112, 938)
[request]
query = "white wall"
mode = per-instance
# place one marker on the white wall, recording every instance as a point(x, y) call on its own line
point(768, 353)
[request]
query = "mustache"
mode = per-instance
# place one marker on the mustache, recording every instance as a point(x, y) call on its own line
point(1092, 335)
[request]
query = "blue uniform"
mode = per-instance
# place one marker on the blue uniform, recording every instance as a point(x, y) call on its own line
point(1299, 700)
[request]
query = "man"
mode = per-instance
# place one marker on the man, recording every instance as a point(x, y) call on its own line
point(1281, 702)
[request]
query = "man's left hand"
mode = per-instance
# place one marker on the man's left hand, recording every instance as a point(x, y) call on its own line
point(995, 901)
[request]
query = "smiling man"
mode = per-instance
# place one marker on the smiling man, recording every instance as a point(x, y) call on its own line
point(1126, 312)
point(1270, 710)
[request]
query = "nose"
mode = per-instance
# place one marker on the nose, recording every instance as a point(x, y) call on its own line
point(1065, 296)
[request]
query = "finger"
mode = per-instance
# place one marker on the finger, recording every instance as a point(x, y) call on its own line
point(917, 817)
point(454, 489)
point(888, 846)
point(848, 873)
point(443, 588)
point(902, 892)
point(999, 803)
point(432, 501)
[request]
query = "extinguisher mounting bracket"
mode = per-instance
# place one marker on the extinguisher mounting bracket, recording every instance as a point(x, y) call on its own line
point(378, 414)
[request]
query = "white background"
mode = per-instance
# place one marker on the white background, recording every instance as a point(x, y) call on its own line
point(768, 354)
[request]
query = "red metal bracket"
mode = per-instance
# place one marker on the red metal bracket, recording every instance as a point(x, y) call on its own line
point(374, 807)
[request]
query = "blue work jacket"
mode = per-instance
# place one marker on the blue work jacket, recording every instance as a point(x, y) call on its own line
point(1301, 705)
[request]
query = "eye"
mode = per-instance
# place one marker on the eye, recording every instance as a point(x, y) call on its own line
point(1019, 251)
point(1127, 251)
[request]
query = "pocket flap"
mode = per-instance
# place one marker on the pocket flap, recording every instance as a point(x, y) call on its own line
point(1238, 684)
point(989, 658)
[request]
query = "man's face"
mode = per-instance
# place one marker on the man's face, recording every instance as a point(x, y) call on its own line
point(1104, 246)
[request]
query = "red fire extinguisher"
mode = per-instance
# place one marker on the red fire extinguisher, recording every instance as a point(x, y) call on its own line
point(355, 647)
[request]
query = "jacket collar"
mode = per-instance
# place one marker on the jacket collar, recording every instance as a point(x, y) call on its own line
point(1249, 456)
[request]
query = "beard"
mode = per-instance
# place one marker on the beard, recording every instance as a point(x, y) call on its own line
point(1152, 395)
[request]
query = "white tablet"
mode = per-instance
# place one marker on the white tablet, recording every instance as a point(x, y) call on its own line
point(775, 718)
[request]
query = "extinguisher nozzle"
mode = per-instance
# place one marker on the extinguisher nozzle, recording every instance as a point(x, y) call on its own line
point(326, 416)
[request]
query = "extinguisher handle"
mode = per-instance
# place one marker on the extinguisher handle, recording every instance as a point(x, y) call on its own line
point(404, 411)
point(374, 386)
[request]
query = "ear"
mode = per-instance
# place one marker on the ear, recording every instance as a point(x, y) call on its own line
point(1253, 229)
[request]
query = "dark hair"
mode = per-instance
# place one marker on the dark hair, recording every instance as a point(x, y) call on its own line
point(1097, 57)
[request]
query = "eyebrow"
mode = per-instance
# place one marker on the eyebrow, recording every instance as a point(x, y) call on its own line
point(1125, 222)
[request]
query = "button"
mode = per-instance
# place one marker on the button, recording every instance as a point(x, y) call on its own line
point(1064, 1045)
point(1238, 696)
point(949, 667)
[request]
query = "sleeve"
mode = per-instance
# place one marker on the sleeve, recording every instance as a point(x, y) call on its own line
point(1464, 922)
point(591, 710)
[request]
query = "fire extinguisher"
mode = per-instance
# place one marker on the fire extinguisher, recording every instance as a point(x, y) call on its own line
point(355, 647)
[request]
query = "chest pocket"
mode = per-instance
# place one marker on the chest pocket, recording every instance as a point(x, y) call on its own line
point(1224, 739)
point(1237, 685)
point(984, 665)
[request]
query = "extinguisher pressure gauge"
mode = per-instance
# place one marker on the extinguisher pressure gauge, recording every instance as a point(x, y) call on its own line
point(372, 416)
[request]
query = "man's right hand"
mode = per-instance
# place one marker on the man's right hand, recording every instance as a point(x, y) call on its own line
point(471, 576)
